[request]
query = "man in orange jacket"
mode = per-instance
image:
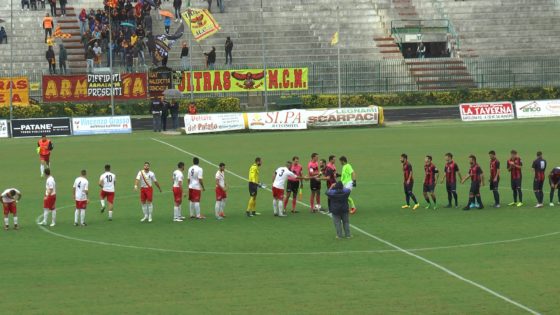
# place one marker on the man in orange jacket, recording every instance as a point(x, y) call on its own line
point(44, 148)
point(48, 25)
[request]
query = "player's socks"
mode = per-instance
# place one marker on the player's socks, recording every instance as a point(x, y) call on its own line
point(45, 216)
point(456, 199)
point(428, 201)
point(496, 197)
point(351, 202)
point(275, 206)
point(479, 201)
point(294, 202)
point(217, 209)
point(110, 214)
point(552, 196)
point(53, 217)
point(102, 203)
point(150, 210)
point(449, 198)
point(413, 198)
point(42, 170)
point(145, 212)
point(82, 217)
point(15, 221)
point(76, 216)
point(312, 203)
point(7, 221)
point(191, 209)
point(280, 207)
point(223, 207)
point(197, 209)
point(520, 194)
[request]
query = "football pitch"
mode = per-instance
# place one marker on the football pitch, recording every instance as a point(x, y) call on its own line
point(445, 261)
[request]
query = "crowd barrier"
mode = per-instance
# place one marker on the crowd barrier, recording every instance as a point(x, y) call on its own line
point(509, 110)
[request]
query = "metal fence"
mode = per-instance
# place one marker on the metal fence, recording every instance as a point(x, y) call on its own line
point(383, 76)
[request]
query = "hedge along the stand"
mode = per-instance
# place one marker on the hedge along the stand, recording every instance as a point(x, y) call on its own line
point(232, 104)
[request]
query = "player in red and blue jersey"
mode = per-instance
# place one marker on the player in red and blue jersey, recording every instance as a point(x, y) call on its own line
point(539, 166)
point(554, 179)
point(514, 167)
point(451, 172)
point(408, 183)
point(430, 180)
point(494, 177)
point(477, 179)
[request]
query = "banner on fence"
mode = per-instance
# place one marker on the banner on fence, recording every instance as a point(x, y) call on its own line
point(158, 82)
point(35, 127)
point(292, 119)
point(214, 123)
point(536, 109)
point(101, 125)
point(486, 111)
point(339, 117)
point(94, 87)
point(3, 128)
point(246, 80)
point(20, 91)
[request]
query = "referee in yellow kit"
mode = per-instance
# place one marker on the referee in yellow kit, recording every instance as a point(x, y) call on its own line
point(254, 185)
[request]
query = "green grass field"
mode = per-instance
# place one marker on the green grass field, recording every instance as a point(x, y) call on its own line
point(292, 265)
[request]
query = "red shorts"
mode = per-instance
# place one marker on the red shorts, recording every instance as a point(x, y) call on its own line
point(107, 194)
point(49, 202)
point(277, 193)
point(221, 194)
point(45, 158)
point(146, 194)
point(10, 208)
point(194, 195)
point(178, 195)
point(81, 204)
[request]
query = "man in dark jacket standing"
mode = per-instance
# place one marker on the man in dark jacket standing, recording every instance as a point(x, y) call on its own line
point(338, 200)
point(174, 111)
point(49, 55)
point(177, 6)
point(164, 114)
point(62, 57)
point(229, 49)
point(156, 109)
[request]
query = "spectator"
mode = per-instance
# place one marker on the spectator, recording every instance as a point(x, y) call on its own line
point(156, 109)
point(42, 2)
point(177, 6)
point(211, 58)
point(209, 5)
point(48, 25)
point(229, 49)
point(85, 41)
point(421, 51)
point(24, 3)
point(158, 7)
point(174, 111)
point(62, 57)
point(63, 7)
point(3, 35)
point(51, 60)
point(167, 24)
point(97, 51)
point(221, 5)
point(185, 57)
point(90, 57)
point(52, 3)
point(83, 21)
point(164, 115)
point(133, 39)
point(148, 23)
point(139, 53)
point(338, 206)
point(129, 59)
point(33, 5)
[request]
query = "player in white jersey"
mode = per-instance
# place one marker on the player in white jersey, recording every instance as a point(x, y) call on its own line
point(107, 182)
point(9, 199)
point(281, 175)
point(146, 179)
point(80, 189)
point(221, 192)
point(178, 179)
point(196, 187)
point(50, 199)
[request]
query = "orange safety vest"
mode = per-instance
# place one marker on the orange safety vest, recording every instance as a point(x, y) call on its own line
point(44, 147)
point(47, 22)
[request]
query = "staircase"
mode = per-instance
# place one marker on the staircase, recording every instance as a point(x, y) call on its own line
point(440, 74)
point(69, 24)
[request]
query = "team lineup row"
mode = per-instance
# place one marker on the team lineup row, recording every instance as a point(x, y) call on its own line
point(476, 175)
point(291, 174)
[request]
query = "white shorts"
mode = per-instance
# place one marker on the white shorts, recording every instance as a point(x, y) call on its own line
point(349, 185)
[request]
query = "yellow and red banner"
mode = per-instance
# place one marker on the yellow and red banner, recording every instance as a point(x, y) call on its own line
point(246, 80)
point(201, 23)
point(20, 91)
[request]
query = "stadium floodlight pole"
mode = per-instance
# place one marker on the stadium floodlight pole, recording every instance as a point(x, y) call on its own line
point(190, 58)
point(264, 58)
point(111, 62)
point(11, 60)
point(338, 58)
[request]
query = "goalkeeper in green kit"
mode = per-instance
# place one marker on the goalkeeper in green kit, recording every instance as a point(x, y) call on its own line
point(348, 179)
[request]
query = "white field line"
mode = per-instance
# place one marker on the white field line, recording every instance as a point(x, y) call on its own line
point(402, 250)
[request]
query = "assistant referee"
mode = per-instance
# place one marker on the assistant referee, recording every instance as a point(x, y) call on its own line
point(254, 184)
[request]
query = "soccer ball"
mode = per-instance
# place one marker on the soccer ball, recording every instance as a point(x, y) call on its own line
point(317, 207)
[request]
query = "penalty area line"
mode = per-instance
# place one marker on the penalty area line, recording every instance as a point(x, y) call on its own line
point(396, 247)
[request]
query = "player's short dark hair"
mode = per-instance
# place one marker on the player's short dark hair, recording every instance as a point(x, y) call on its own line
point(472, 157)
point(404, 155)
point(147, 163)
point(289, 162)
point(295, 157)
point(429, 157)
point(180, 164)
point(222, 164)
point(513, 152)
point(47, 171)
point(257, 159)
point(13, 192)
point(450, 155)
point(195, 161)
point(107, 167)
point(343, 159)
point(492, 152)
point(83, 172)
point(314, 155)
point(539, 153)
point(43, 135)
point(331, 157)
point(324, 161)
